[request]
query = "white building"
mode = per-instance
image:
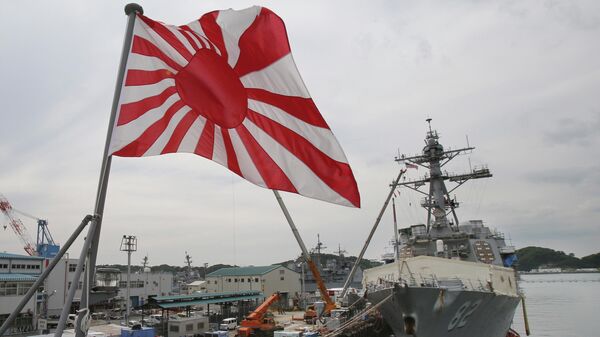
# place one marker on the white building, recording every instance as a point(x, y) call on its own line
point(195, 286)
point(145, 284)
point(17, 275)
point(142, 285)
point(188, 326)
point(57, 285)
point(268, 279)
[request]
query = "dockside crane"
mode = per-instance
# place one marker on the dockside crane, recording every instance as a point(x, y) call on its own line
point(259, 322)
point(45, 245)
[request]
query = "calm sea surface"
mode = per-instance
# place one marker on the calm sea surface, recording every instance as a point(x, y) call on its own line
point(561, 305)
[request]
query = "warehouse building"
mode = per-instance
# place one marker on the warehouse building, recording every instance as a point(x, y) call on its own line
point(267, 279)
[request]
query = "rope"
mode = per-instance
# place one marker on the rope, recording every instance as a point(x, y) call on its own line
point(367, 310)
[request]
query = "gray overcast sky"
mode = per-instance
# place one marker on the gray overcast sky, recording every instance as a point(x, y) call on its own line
point(520, 78)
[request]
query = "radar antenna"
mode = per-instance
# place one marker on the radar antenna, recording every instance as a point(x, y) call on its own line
point(437, 200)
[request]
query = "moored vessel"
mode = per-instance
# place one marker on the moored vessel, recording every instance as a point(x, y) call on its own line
point(446, 277)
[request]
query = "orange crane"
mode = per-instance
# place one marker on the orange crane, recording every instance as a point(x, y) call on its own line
point(258, 322)
point(311, 313)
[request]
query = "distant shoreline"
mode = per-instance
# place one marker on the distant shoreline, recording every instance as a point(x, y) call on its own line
point(557, 272)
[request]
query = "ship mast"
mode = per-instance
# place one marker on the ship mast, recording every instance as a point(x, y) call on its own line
point(437, 201)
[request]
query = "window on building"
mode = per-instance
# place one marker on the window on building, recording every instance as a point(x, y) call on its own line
point(189, 327)
point(242, 280)
point(256, 279)
point(200, 325)
point(282, 278)
point(23, 287)
point(8, 288)
point(281, 271)
point(79, 285)
point(249, 279)
point(72, 267)
point(174, 328)
point(229, 280)
point(235, 280)
point(11, 289)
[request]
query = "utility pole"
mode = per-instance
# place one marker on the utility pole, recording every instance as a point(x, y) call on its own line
point(129, 245)
point(145, 270)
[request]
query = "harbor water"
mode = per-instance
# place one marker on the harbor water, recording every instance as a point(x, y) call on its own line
point(561, 305)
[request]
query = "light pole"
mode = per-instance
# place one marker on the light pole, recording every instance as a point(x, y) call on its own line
point(129, 245)
point(44, 313)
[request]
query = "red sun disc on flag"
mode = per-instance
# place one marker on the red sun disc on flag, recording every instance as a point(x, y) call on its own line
point(211, 88)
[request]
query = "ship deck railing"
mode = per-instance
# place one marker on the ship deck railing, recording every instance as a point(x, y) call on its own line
point(431, 281)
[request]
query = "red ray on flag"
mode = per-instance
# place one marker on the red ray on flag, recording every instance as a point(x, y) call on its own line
point(226, 87)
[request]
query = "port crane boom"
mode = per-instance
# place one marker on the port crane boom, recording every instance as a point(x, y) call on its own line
point(17, 226)
point(45, 245)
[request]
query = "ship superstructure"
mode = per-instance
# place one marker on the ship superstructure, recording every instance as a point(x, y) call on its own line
point(443, 235)
point(447, 277)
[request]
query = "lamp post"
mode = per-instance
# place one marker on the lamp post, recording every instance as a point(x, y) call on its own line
point(44, 313)
point(129, 245)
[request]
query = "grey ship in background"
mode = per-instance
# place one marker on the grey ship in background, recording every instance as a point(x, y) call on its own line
point(445, 278)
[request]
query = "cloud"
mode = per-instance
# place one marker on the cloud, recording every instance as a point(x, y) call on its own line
point(518, 77)
point(575, 131)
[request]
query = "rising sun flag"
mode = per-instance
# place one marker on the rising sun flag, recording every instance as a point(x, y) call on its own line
point(226, 87)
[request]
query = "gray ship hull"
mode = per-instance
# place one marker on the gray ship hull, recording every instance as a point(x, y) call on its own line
point(440, 312)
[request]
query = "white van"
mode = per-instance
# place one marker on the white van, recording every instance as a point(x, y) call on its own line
point(228, 324)
point(156, 318)
point(152, 320)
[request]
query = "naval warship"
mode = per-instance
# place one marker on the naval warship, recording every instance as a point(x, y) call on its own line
point(446, 278)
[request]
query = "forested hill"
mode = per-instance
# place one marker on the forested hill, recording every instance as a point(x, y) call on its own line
point(536, 257)
point(199, 270)
point(165, 268)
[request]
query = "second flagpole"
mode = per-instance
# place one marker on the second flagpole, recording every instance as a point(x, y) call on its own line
point(329, 304)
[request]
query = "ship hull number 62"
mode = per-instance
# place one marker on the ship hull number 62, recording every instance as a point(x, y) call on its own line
point(461, 317)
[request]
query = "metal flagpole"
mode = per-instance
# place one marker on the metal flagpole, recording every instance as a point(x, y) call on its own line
point(364, 249)
point(130, 10)
point(44, 275)
point(292, 225)
point(313, 268)
point(396, 243)
point(75, 284)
